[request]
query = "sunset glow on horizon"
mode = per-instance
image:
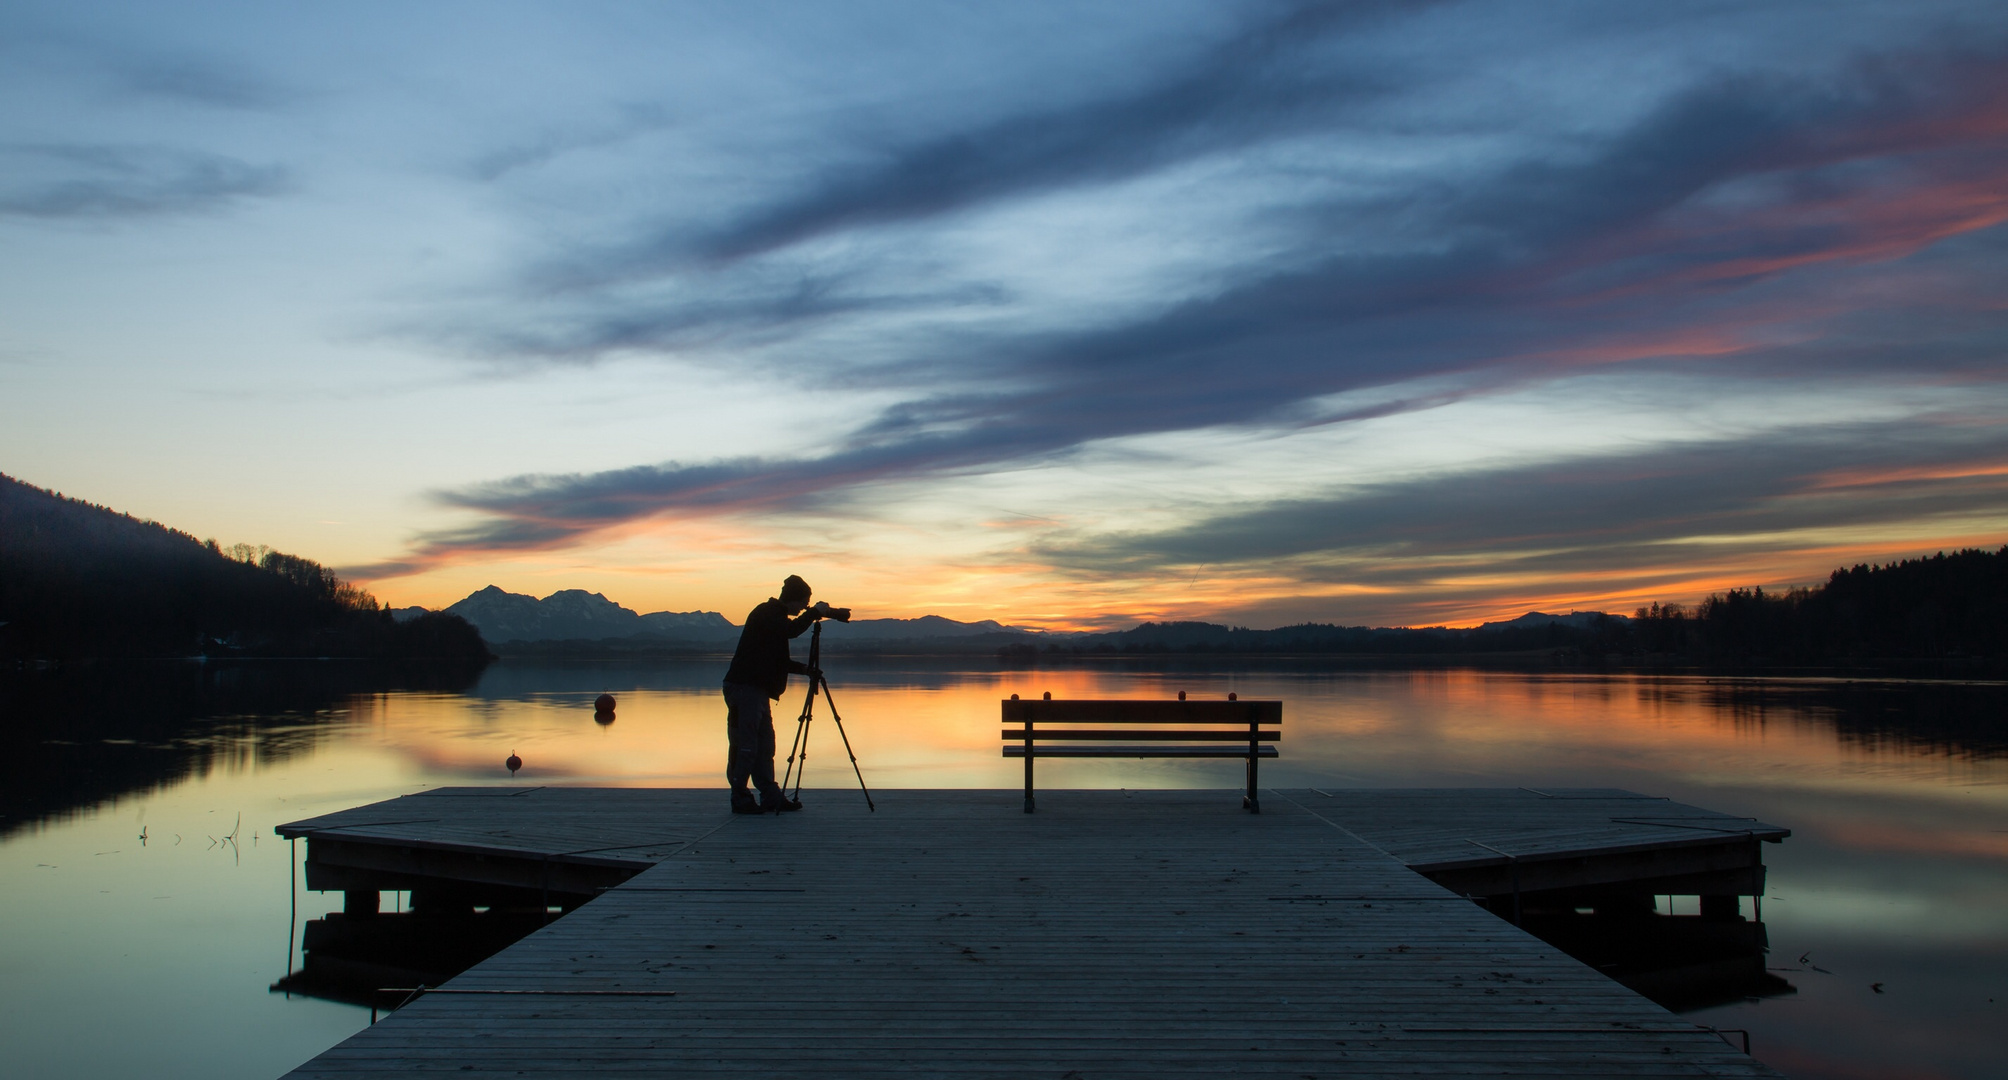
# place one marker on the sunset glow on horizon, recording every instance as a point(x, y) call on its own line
point(1263, 313)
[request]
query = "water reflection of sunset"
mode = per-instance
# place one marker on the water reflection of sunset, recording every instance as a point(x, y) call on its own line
point(919, 727)
point(1897, 796)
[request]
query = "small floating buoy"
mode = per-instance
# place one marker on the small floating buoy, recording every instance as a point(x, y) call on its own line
point(1049, 695)
point(1234, 697)
point(603, 703)
point(514, 763)
point(1181, 695)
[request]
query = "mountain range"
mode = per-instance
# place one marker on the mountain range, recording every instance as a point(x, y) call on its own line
point(577, 616)
point(1580, 620)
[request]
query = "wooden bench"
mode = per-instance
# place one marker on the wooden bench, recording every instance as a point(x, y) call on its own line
point(1148, 729)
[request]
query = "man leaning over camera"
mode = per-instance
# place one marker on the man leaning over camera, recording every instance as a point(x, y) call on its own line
point(758, 676)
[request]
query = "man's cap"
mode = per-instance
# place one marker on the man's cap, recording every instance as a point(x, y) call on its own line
point(795, 586)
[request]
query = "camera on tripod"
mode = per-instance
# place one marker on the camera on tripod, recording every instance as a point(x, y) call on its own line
point(798, 754)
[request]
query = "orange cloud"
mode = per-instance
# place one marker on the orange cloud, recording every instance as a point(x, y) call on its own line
point(1850, 478)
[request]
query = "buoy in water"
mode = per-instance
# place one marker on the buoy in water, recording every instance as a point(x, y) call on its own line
point(514, 763)
point(604, 703)
point(603, 718)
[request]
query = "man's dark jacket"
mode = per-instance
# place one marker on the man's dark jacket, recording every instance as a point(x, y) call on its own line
point(762, 657)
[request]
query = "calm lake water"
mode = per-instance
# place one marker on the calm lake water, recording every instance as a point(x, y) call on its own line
point(149, 905)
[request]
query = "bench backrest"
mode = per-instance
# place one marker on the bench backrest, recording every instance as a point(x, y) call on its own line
point(1197, 721)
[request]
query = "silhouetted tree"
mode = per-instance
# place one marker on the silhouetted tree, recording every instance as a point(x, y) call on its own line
point(1944, 606)
point(82, 580)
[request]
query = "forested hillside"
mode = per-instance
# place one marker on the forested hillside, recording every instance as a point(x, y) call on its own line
point(81, 580)
point(1942, 607)
point(1946, 607)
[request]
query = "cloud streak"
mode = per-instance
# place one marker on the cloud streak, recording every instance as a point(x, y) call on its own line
point(204, 82)
point(1256, 86)
point(1761, 226)
point(58, 182)
point(1590, 513)
point(1669, 523)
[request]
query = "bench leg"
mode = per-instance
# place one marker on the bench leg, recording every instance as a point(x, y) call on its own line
point(1253, 804)
point(1028, 779)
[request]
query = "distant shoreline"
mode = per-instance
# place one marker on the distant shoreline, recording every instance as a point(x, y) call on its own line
point(1529, 661)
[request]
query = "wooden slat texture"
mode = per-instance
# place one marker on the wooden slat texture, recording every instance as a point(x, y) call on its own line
point(1431, 829)
point(638, 826)
point(1113, 751)
point(1112, 934)
point(1085, 734)
point(1131, 711)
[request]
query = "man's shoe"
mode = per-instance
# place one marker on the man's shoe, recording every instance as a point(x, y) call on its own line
point(747, 806)
point(783, 805)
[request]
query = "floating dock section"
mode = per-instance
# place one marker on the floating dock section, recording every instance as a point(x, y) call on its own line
point(1112, 934)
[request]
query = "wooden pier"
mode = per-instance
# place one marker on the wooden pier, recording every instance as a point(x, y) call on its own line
point(1112, 934)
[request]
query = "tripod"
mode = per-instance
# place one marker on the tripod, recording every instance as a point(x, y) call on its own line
point(801, 745)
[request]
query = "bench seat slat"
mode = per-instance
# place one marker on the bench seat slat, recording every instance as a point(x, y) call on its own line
point(1087, 734)
point(1042, 720)
point(1141, 751)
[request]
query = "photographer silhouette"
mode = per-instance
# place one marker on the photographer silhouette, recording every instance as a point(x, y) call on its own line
point(758, 676)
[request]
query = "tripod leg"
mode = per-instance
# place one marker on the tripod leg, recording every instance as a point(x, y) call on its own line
point(794, 749)
point(847, 747)
point(800, 747)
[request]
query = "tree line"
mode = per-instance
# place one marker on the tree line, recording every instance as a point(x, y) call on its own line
point(1941, 607)
point(79, 580)
point(1202, 638)
point(1945, 607)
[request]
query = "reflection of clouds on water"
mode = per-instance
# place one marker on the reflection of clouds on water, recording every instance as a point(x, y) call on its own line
point(1938, 838)
point(925, 724)
point(1894, 873)
point(1870, 912)
point(932, 724)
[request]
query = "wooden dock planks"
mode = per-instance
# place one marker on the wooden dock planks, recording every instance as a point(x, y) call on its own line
point(1113, 934)
point(1428, 828)
point(1498, 840)
point(638, 826)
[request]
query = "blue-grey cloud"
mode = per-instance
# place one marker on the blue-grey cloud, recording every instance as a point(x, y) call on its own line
point(1492, 252)
point(1664, 524)
point(530, 512)
point(1739, 204)
point(1567, 267)
point(778, 308)
point(203, 81)
point(1255, 86)
point(1585, 515)
point(76, 181)
point(630, 121)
